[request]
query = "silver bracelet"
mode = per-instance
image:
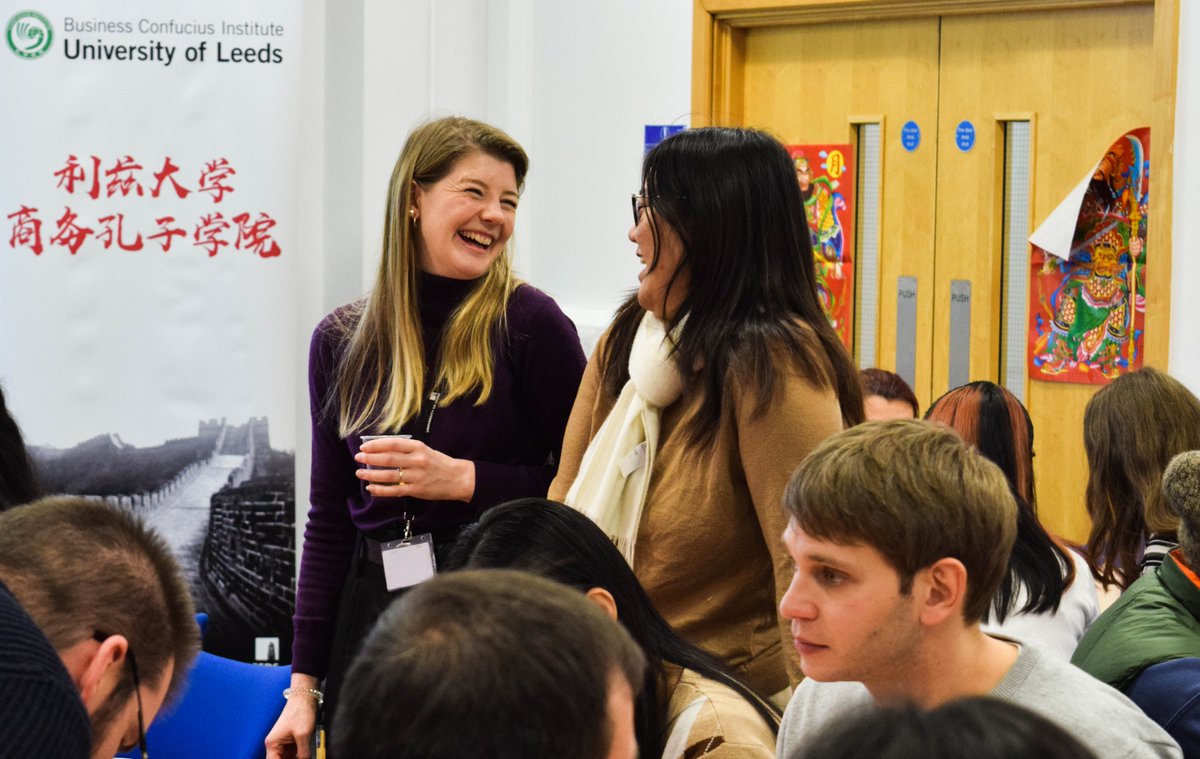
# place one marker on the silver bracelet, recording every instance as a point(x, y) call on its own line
point(289, 692)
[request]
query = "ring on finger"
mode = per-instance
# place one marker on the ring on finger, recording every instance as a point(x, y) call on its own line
point(399, 476)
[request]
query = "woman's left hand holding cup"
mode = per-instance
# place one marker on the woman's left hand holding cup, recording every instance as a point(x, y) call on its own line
point(396, 465)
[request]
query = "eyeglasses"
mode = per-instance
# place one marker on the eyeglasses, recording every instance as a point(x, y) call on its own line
point(100, 637)
point(640, 203)
point(137, 691)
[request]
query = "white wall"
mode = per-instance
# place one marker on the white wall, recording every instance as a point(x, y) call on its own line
point(1185, 264)
point(574, 82)
point(602, 72)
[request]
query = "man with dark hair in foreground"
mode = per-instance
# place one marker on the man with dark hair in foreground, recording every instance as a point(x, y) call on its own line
point(97, 629)
point(900, 536)
point(491, 664)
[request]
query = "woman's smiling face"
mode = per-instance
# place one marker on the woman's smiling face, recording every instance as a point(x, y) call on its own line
point(660, 265)
point(465, 219)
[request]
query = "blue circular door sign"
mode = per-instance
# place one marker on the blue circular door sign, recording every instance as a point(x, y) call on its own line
point(910, 136)
point(964, 136)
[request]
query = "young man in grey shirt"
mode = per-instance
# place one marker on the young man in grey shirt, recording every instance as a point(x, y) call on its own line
point(900, 536)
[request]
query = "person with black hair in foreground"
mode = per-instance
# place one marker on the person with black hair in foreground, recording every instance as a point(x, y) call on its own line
point(970, 728)
point(690, 705)
point(491, 664)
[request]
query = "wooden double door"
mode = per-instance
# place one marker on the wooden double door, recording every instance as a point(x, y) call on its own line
point(968, 129)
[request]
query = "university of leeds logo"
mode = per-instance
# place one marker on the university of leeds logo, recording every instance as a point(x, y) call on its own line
point(29, 34)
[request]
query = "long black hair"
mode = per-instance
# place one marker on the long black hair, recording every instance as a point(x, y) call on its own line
point(994, 421)
point(554, 541)
point(18, 484)
point(732, 197)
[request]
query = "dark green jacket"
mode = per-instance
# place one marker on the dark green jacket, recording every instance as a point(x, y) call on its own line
point(1157, 619)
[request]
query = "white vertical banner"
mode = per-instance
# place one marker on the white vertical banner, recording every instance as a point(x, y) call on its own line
point(149, 198)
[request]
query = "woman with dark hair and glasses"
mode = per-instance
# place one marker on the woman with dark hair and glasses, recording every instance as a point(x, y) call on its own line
point(711, 385)
point(1048, 597)
point(690, 704)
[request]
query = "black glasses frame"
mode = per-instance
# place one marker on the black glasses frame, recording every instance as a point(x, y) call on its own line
point(137, 691)
point(640, 203)
point(100, 637)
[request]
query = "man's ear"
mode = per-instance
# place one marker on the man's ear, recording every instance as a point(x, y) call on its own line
point(944, 585)
point(100, 669)
point(604, 600)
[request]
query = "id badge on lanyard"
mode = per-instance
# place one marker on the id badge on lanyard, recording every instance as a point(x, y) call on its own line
point(409, 560)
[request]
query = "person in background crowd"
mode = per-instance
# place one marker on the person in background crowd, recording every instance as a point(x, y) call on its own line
point(969, 728)
point(475, 369)
point(491, 664)
point(17, 482)
point(1047, 598)
point(690, 706)
point(1131, 429)
point(712, 383)
point(97, 626)
point(1148, 642)
point(887, 396)
point(901, 534)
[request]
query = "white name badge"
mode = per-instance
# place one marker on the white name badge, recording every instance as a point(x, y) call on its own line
point(408, 562)
point(634, 461)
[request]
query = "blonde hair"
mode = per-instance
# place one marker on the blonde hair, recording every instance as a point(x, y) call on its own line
point(380, 376)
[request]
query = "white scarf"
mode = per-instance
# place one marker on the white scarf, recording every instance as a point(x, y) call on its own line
point(614, 475)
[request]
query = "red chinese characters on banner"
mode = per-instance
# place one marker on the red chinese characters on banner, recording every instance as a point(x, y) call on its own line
point(127, 177)
point(254, 237)
point(72, 172)
point(209, 233)
point(70, 235)
point(213, 178)
point(121, 178)
point(166, 233)
point(108, 235)
point(167, 173)
point(26, 230)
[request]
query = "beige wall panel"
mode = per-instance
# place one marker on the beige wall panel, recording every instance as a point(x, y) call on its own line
point(809, 83)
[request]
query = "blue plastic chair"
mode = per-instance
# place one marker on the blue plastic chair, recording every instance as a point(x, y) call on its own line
point(226, 711)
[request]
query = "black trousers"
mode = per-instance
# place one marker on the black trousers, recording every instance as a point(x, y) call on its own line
point(363, 599)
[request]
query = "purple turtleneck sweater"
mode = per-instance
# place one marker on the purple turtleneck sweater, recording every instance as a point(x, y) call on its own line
point(514, 439)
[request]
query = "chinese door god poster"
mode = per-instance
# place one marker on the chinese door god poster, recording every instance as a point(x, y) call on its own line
point(1088, 280)
point(148, 263)
point(827, 183)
